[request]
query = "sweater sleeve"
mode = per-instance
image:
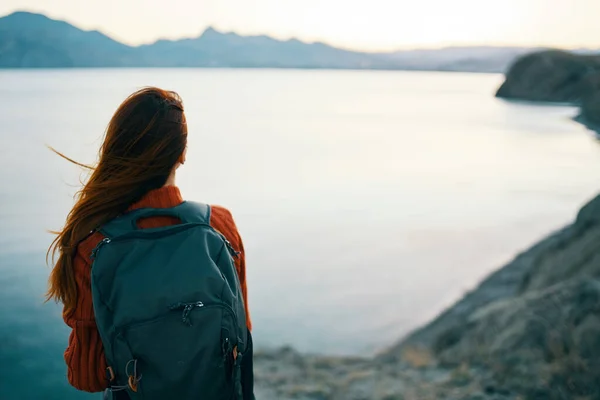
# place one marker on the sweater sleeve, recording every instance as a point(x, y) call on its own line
point(222, 220)
point(84, 356)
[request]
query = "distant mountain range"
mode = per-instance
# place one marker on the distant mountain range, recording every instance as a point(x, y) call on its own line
point(29, 40)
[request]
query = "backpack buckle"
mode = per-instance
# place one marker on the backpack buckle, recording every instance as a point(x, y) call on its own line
point(133, 379)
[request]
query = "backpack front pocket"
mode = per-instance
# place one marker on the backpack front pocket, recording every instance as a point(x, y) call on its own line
point(181, 354)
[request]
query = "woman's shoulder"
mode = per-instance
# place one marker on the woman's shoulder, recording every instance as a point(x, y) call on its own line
point(221, 213)
point(222, 220)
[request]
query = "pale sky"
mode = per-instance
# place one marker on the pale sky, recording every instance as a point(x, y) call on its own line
point(358, 24)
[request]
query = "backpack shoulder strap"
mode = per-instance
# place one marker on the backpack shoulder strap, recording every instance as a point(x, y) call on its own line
point(191, 211)
point(186, 212)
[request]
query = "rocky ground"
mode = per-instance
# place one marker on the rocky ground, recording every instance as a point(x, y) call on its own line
point(531, 330)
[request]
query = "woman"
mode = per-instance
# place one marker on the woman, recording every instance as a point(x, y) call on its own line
point(144, 145)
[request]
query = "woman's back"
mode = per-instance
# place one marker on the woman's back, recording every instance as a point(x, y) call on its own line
point(145, 144)
point(85, 354)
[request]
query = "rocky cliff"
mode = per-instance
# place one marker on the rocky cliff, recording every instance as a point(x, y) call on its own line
point(549, 76)
point(557, 77)
point(531, 330)
point(590, 103)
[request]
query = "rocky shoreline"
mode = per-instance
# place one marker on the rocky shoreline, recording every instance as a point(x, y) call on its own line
point(557, 77)
point(531, 330)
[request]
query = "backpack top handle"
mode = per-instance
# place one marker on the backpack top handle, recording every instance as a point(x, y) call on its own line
point(187, 212)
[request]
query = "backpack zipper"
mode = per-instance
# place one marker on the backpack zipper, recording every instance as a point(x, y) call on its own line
point(187, 309)
point(98, 246)
point(170, 311)
point(232, 252)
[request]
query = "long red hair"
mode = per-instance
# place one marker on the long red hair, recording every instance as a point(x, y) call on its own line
point(144, 141)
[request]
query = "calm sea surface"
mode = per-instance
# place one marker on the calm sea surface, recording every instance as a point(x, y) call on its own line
point(368, 201)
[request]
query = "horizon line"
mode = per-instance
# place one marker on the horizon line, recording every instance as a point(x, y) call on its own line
point(416, 47)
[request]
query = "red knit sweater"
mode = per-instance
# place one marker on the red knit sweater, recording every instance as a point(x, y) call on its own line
point(86, 365)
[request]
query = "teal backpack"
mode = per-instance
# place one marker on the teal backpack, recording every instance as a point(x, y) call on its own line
point(169, 308)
